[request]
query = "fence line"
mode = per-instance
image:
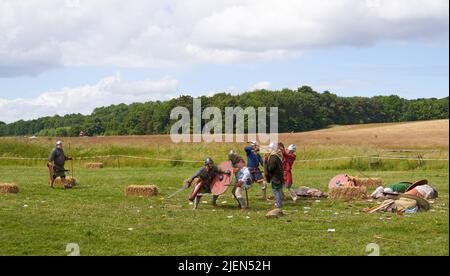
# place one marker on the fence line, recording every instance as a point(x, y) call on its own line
point(197, 161)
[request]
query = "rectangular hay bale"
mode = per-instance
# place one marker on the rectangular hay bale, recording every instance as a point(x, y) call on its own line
point(8, 188)
point(62, 182)
point(142, 190)
point(368, 182)
point(348, 193)
point(94, 165)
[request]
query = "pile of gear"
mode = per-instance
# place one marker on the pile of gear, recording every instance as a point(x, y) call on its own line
point(404, 197)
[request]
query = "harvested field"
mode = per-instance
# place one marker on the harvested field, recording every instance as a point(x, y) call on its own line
point(420, 134)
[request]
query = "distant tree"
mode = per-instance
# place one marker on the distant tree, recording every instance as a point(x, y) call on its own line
point(299, 110)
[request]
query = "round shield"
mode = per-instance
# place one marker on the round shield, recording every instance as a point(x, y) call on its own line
point(340, 180)
point(418, 183)
point(221, 183)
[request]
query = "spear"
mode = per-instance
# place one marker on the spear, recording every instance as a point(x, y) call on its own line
point(71, 162)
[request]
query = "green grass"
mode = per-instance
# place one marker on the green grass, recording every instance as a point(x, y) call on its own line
point(96, 215)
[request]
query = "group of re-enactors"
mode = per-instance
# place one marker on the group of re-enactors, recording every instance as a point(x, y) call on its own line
point(277, 167)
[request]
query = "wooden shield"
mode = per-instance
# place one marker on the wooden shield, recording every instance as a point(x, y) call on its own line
point(221, 183)
point(418, 183)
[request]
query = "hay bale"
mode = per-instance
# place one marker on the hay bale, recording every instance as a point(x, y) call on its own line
point(348, 193)
point(8, 188)
point(95, 165)
point(368, 182)
point(142, 190)
point(68, 182)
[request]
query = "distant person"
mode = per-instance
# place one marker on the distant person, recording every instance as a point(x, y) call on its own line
point(289, 157)
point(243, 182)
point(202, 180)
point(57, 160)
point(274, 173)
point(254, 160)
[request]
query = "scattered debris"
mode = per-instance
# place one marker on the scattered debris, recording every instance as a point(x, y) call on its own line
point(310, 193)
point(404, 204)
point(331, 230)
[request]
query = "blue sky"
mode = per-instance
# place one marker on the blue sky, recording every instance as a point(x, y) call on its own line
point(382, 49)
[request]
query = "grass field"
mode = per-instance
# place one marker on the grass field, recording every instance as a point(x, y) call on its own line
point(103, 221)
point(96, 215)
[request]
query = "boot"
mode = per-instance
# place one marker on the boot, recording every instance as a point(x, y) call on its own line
point(264, 193)
point(293, 195)
point(197, 202)
point(214, 200)
point(241, 203)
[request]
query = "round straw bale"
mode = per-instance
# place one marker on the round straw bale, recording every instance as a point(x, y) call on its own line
point(8, 188)
point(142, 190)
point(95, 165)
point(348, 193)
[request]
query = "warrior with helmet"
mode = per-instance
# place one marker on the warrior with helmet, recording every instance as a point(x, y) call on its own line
point(201, 181)
point(56, 162)
point(254, 160)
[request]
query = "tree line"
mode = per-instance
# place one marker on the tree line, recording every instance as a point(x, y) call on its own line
point(299, 110)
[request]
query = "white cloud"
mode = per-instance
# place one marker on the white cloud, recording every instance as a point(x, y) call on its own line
point(36, 36)
point(260, 86)
point(84, 99)
point(341, 85)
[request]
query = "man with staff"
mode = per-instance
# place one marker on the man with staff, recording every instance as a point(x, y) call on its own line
point(56, 162)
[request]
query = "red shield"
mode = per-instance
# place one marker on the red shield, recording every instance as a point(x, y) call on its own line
point(341, 180)
point(221, 183)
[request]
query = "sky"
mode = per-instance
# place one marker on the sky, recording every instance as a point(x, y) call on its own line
point(71, 56)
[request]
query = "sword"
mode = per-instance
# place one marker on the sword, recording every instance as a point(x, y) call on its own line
point(246, 196)
point(184, 188)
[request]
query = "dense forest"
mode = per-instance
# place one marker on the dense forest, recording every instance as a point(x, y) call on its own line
point(299, 110)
